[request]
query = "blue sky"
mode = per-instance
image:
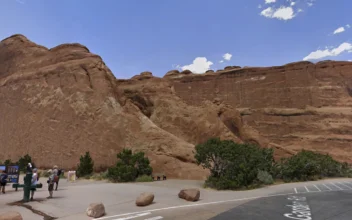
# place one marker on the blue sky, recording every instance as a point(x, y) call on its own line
point(159, 35)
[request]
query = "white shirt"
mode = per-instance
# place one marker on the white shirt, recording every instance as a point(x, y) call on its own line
point(34, 179)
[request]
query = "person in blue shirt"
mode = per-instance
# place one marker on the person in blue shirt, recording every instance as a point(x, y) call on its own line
point(3, 181)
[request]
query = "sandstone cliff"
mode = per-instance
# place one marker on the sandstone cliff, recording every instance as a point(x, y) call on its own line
point(296, 106)
point(58, 103)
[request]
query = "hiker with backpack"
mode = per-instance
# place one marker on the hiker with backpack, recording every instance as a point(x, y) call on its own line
point(56, 173)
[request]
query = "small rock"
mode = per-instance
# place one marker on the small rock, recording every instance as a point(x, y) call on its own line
point(96, 210)
point(189, 194)
point(11, 216)
point(145, 199)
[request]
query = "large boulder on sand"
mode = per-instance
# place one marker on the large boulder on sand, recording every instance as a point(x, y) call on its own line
point(189, 194)
point(145, 199)
point(96, 210)
point(11, 216)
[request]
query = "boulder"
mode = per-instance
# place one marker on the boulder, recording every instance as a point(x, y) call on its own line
point(96, 210)
point(11, 216)
point(145, 199)
point(189, 194)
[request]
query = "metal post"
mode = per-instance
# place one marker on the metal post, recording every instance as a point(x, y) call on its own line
point(27, 186)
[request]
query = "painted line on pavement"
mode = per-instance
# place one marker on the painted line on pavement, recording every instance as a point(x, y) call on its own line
point(345, 185)
point(327, 187)
point(295, 190)
point(306, 189)
point(336, 186)
point(155, 218)
point(317, 188)
point(134, 216)
point(212, 203)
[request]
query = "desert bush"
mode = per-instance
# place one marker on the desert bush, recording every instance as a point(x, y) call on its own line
point(129, 166)
point(232, 165)
point(23, 162)
point(265, 177)
point(308, 165)
point(144, 178)
point(86, 165)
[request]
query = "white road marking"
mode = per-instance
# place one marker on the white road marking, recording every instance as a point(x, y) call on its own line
point(336, 186)
point(134, 216)
point(345, 185)
point(317, 188)
point(209, 203)
point(295, 190)
point(306, 189)
point(154, 218)
point(327, 187)
point(348, 183)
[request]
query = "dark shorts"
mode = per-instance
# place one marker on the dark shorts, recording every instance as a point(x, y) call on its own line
point(2, 184)
point(51, 187)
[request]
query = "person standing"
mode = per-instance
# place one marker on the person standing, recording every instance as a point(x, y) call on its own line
point(3, 181)
point(50, 184)
point(34, 182)
point(56, 173)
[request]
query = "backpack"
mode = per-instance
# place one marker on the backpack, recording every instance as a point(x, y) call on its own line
point(59, 172)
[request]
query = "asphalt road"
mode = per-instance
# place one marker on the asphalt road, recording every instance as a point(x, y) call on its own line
point(313, 205)
point(318, 200)
point(313, 201)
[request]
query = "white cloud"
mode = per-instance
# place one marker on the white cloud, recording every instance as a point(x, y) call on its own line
point(293, 3)
point(227, 56)
point(348, 26)
point(199, 65)
point(282, 13)
point(339, 30)
point(310, 4)
point(269, 1)
point(221, 61)
point(344, 47)
point(259, 6)
point(300, 10)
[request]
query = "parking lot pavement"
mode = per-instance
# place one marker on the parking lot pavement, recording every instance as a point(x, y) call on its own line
point(72, 199)
point(332, 205)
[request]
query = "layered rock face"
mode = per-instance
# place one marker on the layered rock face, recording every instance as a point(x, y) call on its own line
point(58, 103)
point(297, 106)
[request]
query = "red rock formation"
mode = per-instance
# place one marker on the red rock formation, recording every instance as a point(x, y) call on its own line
point(296, 106)
point(58, 103)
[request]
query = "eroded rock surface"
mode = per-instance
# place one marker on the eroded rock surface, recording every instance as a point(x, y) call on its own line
point(58, 103)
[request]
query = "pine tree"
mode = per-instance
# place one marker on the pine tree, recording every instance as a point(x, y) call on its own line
point(85, 166)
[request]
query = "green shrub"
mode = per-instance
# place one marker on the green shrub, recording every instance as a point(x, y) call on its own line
point(86, 165)
point(129, 166)
point(308, 165)
point(232, 165)
point(144, 178)
point(265, 178)
point(23, 162)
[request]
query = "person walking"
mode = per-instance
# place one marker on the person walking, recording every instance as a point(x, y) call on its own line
point(50, 184)
point(35, 179)
point(57, 174)
point(3, 181)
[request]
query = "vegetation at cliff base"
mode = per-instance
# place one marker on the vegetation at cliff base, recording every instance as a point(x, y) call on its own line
point(86, 165)
point(130, 167)
point(238, 166)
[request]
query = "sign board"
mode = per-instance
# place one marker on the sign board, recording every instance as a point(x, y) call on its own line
point(13, 173)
